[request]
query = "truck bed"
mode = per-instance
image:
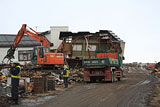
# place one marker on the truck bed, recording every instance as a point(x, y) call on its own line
point(100, 62)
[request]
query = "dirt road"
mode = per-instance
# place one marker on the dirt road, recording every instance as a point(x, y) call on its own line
point(132, 91)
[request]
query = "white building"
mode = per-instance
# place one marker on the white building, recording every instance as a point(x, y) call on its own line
point(53, 35)
point(25, 47)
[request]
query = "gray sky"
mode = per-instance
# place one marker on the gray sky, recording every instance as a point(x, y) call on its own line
point(137, 22)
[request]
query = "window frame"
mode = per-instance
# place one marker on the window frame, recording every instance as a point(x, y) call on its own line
point(25, 53)
point(81, 48)
point(90, 45)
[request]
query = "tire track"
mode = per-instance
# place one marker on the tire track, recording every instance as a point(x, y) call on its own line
point(130, 92)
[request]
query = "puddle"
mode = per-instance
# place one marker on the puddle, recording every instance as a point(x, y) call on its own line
point(90, 86)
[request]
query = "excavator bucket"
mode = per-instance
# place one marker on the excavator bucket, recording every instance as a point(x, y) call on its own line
point(9, 56)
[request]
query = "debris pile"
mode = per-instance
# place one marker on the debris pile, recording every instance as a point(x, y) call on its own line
point(4, 101)
point(5, 91)
point(76, 75)
point(37, 82)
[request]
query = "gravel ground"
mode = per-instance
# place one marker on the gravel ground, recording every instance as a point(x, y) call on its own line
point(155, 97)
point(133, 91)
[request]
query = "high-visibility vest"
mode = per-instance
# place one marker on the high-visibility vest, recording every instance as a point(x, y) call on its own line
point(67, 74)
point(17, 76)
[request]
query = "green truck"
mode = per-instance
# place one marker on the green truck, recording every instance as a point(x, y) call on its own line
point(104, 67)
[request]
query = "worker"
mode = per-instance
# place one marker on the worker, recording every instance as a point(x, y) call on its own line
point(15, 70)
point(65, 76)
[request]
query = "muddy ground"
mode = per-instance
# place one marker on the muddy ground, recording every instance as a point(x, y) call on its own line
point(155, 97)
point(132, 91)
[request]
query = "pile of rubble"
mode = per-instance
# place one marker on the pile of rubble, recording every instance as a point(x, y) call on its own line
point(77, 74)
point(37, 82)
point(4, 101)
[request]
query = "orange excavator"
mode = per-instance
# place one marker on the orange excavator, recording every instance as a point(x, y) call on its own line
point(41, 54)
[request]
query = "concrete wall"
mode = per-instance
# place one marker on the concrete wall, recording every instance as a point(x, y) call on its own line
point(53, 37)
point(55, 31)
point(3, 53)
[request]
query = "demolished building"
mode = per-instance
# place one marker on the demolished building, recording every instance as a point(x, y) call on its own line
point(77, 46)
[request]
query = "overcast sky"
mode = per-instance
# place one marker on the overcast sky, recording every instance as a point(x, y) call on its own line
point(137, 22)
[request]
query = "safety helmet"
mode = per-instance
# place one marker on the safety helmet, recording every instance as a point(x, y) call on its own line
point(65, 67)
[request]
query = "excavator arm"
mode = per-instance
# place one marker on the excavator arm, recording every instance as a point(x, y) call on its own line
point(35, 35)
point(38, 37)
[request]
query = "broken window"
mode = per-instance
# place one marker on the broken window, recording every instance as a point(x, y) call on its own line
point(25, 55)
point(69, 40)
point(91, 48)
point(77, 47)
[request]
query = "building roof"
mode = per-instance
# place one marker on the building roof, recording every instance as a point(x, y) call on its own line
point(6, 40)
point(100, 33)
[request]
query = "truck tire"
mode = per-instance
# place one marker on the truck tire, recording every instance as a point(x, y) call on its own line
point(93, 80)
point(119, 79)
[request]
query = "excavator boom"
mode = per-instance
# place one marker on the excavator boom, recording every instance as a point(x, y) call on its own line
point(35, 35)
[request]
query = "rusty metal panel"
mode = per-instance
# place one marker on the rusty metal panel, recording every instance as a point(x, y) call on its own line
point(39, 85)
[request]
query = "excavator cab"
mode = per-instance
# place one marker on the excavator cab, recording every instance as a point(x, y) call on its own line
point(38, 53)
point(43, 56)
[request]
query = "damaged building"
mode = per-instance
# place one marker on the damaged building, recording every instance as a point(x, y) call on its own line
point(85, 44)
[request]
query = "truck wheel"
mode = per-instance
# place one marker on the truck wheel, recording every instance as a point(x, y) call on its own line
point(93, 80)
point(119, 79)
